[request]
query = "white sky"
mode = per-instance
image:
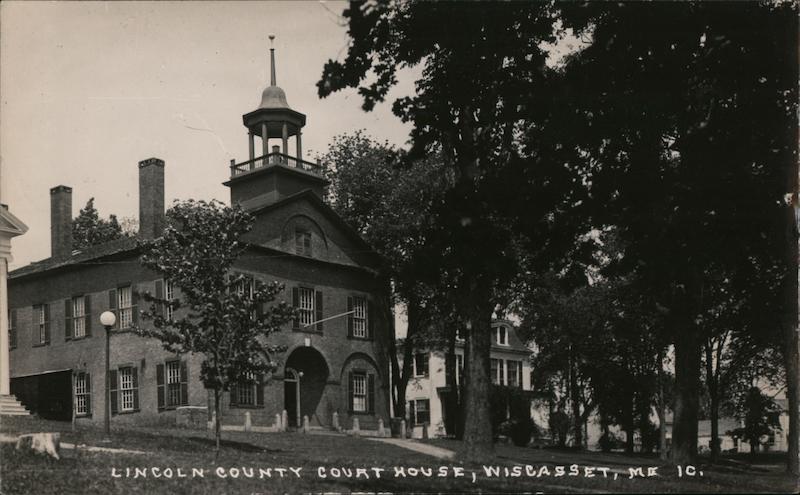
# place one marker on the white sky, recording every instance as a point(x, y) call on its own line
point(89, 89)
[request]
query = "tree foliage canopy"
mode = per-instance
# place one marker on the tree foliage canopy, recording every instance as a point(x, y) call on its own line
point(88, 229)
point(228, 318)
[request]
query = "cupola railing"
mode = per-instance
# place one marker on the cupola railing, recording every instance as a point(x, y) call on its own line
point(274, 158)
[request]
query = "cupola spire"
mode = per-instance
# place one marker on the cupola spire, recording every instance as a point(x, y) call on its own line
point(272, 60)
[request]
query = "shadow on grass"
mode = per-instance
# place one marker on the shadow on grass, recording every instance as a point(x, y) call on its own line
point(232, 444)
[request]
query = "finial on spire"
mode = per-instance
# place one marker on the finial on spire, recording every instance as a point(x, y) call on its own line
point(272, 59)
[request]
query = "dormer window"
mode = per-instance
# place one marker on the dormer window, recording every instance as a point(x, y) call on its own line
point(501, 335)
point(302, 242)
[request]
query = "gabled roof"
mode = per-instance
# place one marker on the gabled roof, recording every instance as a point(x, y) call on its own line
point(10, 225)
point(86, 256)
point(324, 208)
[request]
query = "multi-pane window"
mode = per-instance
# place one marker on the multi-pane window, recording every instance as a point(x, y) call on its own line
point(125, 306)
point(514, 369)
point(173, 372)
point(496, 372)
point(246, 390)
point(82, 394)
point(420, 364)
point(302, 242)
point(40, 323)
point(359, 392)
point(306, 305)
point(78, 317)
point(127, 389)
point(169, 294)
point(501, 335)
point(420, 411)
point(359, 317)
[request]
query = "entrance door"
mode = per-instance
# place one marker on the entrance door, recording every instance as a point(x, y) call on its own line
point(291, 396)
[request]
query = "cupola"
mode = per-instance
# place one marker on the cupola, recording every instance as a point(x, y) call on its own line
point(276, 173)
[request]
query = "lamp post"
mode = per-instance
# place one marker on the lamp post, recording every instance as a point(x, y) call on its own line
point(108, 319)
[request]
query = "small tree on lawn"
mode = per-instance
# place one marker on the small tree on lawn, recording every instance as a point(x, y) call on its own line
point(228, 318)
point(760, 415)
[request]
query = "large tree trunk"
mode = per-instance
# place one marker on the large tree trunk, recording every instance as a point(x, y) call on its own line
point(477, 421)
point(452, 420)
point(687, 394)
point(577, 420)
point(662, 413)
point(217, 424)
point(713, 396)
point(404, 372)
point(791, 350)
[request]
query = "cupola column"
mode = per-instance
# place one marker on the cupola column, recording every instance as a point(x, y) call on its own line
point(299, 143)
point(285, 132)
point(264, 140)
point(252, 140)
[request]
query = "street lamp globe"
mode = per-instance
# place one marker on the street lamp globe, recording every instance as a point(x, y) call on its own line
point(107, 319)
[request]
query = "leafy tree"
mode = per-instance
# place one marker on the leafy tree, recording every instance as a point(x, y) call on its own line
point(227, 319)
point(686, 118)
point(88, 229)
point(760, 415)
point(391, 203)
point(467, 106)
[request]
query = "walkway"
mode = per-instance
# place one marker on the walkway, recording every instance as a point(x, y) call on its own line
point(422, 448)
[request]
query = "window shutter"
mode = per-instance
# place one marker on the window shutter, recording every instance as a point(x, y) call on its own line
point(46, 309)
point(112, 305)
point(260, 391)
point(318, 307)
point(412, 413)
point(295, 303)
point(350, 316)
point(370, 319)
point(134, 306)
point(159, 295)
point(371, 393)
point(135, 374)
point(160, 389)
point(88, 393)
point(112, 380)
point(234, 394)
point(184, 384)
point(87, 310)
point(350, 392)
point(68, 319)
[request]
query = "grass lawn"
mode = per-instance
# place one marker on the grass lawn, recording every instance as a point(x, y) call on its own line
point(245, 453)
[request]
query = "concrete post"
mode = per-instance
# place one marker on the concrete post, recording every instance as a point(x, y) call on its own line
point(248, 422)
point(305, 424)
point(213, 420)
point(356, 426)
point(284, 420)
point(278, 425)
point(403, 428)
point(336, 421)
point(381, 432)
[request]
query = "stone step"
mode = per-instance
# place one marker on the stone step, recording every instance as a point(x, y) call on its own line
point(10, 406)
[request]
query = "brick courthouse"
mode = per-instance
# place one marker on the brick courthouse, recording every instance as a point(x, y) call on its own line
point(339, 365)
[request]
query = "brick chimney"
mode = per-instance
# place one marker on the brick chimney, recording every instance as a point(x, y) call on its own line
point(61, 222)
point(151, 198)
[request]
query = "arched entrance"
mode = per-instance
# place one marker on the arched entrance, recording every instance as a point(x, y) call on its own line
point(304, 379)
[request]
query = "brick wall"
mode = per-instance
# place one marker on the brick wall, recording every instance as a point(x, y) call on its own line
point(127, 349)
